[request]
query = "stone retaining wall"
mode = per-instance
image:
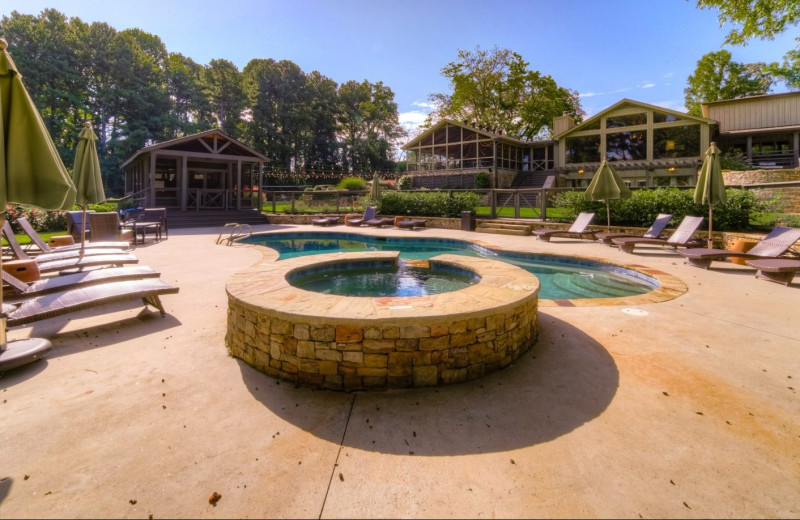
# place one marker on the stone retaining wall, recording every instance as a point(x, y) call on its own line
point(353, 343)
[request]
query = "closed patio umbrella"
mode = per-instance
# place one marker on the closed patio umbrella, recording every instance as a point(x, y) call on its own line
point(31, 173)
point(606, 185)
point(86, 176)
point(375, 192)
point(710, 187)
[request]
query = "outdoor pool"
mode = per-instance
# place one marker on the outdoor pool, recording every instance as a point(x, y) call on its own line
point(560, 277)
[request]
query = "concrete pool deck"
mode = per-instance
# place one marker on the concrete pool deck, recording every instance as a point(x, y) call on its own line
point(682, 408)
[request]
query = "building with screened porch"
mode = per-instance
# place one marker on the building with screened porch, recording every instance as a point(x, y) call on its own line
point(648, 146)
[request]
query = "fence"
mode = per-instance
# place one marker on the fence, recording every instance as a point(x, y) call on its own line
point(532, 203)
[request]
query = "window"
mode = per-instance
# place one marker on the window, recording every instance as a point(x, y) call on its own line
point(453, 134)
point(676, 141)
point(626, 120)
point(660, 117)
point(626, 146)
point(439, 157)
point(469, 155)
point(440, 136)
point(583, 149)
point(427, 140)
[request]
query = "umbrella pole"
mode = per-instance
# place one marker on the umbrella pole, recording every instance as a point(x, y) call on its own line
point(710, 225)
point(2, 314)
point(83, 232)
point(608, 217)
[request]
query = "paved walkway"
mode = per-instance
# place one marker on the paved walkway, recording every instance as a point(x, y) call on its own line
point(683, 408)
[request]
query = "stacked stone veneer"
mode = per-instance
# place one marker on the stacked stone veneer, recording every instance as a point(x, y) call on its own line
point(356, 343)
point(788, 196)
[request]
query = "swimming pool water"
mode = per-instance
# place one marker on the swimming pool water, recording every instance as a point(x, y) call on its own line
point(559, 276)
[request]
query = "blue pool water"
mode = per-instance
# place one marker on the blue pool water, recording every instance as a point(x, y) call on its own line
point(559, 276)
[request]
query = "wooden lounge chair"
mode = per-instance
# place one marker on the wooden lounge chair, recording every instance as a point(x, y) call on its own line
point(681, 237)
point(655, 230)
point(20, 254)
point(326, 221)
point(773, 245)
point(380, 222)
point(579, 228)
point(780, 270)
point(19, 289)
point(407, 223)
point(52, 304)
point(369, 214)
point(27, 228)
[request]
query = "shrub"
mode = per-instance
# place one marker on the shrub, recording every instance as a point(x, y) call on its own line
point(644, 205)
point(352, 184)
point(405, 182)
point(431, 204)
point(482, 181)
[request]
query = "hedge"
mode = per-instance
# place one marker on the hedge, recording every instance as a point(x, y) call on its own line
point(644, 205)
point(428, 204)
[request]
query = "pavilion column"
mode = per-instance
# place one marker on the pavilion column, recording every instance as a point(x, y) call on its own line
point(796, 148)
point(184, 182)
point(750, 150)
point(260, 184)
point(239, 185)
point(151, 197)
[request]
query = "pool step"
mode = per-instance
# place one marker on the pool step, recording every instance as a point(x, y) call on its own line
point(590, 287)
point(502, 228)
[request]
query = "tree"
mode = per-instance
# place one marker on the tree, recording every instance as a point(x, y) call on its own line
point(191, 109)
point(763, 19)
point(718, 77)
point(495, 88)
point(789, 71)
point(369, 125)
point(222, 84)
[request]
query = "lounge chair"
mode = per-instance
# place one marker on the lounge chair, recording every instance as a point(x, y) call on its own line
point(773, 245)
point(579, 228)
point(407, 223)
point(107, 226)
point(654, 231)
point(326, 221)
point(20, 254)
point(27, 228)
point(156, 215)
point(356, 220)
point(681, 237)
point(52, 304)
point(19, 289)
point(380, 222)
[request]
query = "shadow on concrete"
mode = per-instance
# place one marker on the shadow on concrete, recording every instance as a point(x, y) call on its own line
point(22, 373)
point(565, 381)
point(5, 487)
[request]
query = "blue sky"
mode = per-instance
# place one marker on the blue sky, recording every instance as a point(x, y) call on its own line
point(605, 50)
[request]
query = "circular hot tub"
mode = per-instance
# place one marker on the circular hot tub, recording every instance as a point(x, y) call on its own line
point(349, 343)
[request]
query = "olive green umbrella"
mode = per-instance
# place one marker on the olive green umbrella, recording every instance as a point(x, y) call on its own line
point(710, 187)
point(606, 185)
point(31, 173)
point(375, 192)
point(86, 175)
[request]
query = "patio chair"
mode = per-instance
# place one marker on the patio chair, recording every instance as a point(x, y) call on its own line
point(65, 301)
point(107, 226)
point(355, 220)
point(579, 228)
point(681, 237)
point(27, 228)
point(777, 242)
point(19, 289)
point(20, 254)
point(74, 220)
point(156, 215)
point(654, 231)
point(326, 221)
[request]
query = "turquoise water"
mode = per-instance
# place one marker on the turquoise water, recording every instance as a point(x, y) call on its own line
point(559, 276)
point(401, 280)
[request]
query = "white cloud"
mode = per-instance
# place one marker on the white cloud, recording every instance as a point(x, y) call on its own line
point(425, 104)
point(647, 85)
point(668, 75)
